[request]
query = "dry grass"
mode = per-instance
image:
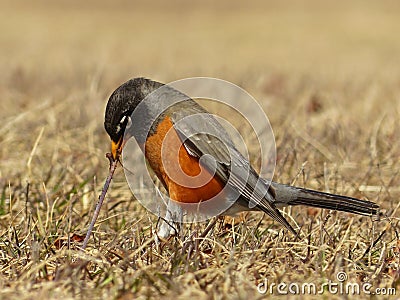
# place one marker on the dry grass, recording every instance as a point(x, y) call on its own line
point(328, 78)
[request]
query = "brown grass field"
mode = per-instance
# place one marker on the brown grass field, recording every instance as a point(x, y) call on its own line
point(326, 73)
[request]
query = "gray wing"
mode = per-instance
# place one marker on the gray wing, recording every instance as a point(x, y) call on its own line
point(202, 134)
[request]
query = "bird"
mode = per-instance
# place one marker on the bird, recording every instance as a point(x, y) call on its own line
point(203, 144)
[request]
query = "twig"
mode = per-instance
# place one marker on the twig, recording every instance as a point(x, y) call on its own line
point(374, 242)
point(113, 166)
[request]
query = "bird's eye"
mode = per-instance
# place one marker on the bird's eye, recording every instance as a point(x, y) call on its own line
point(125, 123)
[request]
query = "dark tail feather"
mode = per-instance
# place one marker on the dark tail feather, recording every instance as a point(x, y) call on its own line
point(288, 195)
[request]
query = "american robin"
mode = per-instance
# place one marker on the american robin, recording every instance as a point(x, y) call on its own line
point(203, 144)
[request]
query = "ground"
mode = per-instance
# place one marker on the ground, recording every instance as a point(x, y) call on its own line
point(326, 74)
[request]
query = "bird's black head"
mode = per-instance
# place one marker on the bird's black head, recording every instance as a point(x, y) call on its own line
point(121, 105)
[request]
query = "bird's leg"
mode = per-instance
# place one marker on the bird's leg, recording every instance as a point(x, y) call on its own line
point(170, 224)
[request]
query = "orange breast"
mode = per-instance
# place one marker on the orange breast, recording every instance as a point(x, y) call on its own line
point(181, 173)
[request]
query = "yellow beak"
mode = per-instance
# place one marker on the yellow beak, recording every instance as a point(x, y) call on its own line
point(116, 148)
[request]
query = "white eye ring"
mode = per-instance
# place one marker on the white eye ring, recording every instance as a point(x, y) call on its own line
point(128, 123)
point(122, 120)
